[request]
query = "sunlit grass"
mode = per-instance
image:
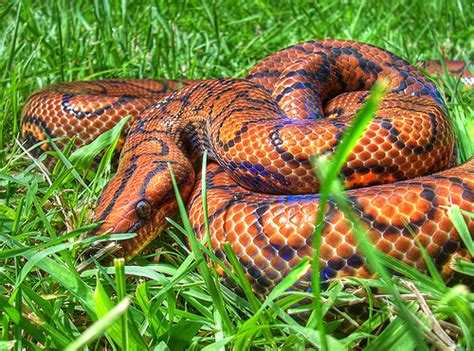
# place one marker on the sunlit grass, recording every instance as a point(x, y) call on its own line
point(171, 297)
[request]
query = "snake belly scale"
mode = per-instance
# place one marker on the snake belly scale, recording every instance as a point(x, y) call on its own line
point(260, 132)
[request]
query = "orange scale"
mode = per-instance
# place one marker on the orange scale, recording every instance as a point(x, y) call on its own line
point(286, 171)
point(340, 226)
point(353, 61)
point(394, 154)
point(306, 229)
point(268, 251)
point(365, 155)
point(252, 251)
point(276, 239)
point(279, 163)
point(356, 163)
point(280, 220)
point(440, 238)
point(379, 155)
point(385, 146)
point(432, 249)
point(413, 254)
point(260, 261)
point(305, 251)
point(277, 263)
point(455, 189)
point(421, 204)
point(240, 228)
point(380, 202)
point(296, 241)
point(417, 164)
point(326, 252)
point(299, 172)
point(253, 230)
point(429, 227)
point(402, 244)
point(385, 245)
point(334, 239)
point(345, 250)
point(406, 208)
point(378, 139)
point(286, 231)
point(445, 224)
point(295, 216)
point(364, 141)
point(388, 211)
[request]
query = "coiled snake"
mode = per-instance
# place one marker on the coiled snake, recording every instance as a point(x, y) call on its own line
point(261, 131)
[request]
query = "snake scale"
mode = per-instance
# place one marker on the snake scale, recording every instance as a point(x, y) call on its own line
point(260, 132)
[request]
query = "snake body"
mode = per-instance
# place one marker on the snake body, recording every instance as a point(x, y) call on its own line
point(261, 132)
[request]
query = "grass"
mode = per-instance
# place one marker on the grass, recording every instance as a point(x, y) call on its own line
point(171, 299)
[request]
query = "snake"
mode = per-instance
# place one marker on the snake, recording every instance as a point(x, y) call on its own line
point(260, 134)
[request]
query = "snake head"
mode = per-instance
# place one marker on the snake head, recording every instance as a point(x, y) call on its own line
point(140, 197)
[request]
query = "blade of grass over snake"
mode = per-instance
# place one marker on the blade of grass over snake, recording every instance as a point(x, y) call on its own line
point(86, 154)
point(203, 268)
point(464, 267)
point(207, 237)
point(456, 216)
point(204, 198)
point(375, 262)
point(247, 329)
point(354, 132)
point(247, 288)
point(428, 261)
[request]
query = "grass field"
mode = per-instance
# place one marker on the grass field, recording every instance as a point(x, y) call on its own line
point(170, 299)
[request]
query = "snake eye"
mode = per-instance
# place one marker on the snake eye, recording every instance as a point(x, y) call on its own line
point(143, 209)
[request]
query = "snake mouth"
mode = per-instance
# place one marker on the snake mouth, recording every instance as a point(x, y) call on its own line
point(98, 252)
point(145, 229)
point(104, 250)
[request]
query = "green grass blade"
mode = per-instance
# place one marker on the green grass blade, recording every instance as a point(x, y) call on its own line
point(101, 326)
point(456, 217)
point(119, 264)
point(203, 268)
point(429, 262)
point(349, 140)
point(247, 288)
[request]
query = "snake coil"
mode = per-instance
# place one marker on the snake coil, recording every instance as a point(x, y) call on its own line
point(261, 131)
